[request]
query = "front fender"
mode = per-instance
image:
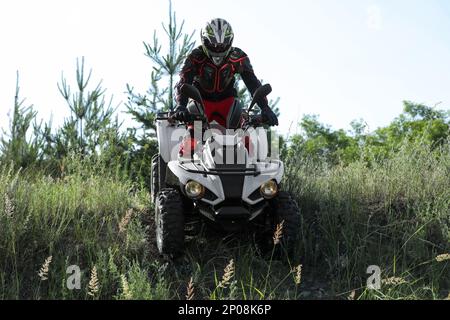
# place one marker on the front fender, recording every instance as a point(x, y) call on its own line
point(211, 182)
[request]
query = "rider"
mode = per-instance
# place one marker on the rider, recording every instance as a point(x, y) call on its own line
point(211, 68)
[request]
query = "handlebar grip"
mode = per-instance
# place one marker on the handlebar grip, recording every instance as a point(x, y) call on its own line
point(256, 120)
point(191, 118)
point(196, 117)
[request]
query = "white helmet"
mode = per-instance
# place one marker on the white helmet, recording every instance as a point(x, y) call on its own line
point(217, 37)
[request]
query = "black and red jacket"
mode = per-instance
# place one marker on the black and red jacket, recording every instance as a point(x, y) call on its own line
point(216, 83)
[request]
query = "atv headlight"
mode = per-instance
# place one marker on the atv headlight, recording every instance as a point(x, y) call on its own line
point(269, 189)
point(194, 189)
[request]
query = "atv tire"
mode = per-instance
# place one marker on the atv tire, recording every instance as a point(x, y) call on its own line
point(169, 220)
point(286, 211)
point(154, 177)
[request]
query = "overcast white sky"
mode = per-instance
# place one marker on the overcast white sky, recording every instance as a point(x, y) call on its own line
point(342, 60)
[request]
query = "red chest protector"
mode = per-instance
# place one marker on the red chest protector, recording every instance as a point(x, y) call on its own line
point(218, 110)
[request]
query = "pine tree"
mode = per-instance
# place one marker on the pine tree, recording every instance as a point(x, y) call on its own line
point(160, 95)
point(21, 146)
point(90, 114)
point(91, 130)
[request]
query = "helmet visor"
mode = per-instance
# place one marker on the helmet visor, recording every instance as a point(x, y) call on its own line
point(216, 47)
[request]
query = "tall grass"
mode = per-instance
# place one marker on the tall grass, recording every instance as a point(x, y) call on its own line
point(394, 214)
point(76, 221)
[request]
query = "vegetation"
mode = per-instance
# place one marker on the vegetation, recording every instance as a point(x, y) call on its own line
point(77, 197)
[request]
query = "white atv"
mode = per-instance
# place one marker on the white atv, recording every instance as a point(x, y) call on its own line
point(223, 176)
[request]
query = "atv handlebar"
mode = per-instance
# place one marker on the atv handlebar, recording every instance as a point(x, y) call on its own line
point(256, 120)
point(253, 121)
point(249, 120)
point(170, 116)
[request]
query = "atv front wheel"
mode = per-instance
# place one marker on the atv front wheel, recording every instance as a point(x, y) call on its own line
point(169, 219)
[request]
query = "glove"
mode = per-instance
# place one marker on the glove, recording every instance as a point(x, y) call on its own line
point(269, 116)
point(181, 114)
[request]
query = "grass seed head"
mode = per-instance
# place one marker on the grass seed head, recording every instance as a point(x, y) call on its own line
point(298, 274)
point(125, 221)
point(443, 257)
point(93, 283)
point(278, 233)
point(43, 271)
point(228, 275)
point(393, 281)
point(127, 294)
point(352, 295)
point(9, 206)
point(190, 290)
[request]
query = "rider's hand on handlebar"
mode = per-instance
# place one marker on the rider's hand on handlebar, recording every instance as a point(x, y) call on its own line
point(181, 114)
point(269, 117)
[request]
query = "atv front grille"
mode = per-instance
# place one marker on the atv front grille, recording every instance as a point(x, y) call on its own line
point(226, 170)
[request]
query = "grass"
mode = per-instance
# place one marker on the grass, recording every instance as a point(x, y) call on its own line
point(394, 214)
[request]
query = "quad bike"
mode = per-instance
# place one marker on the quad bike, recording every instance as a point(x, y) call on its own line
point(231, 194)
